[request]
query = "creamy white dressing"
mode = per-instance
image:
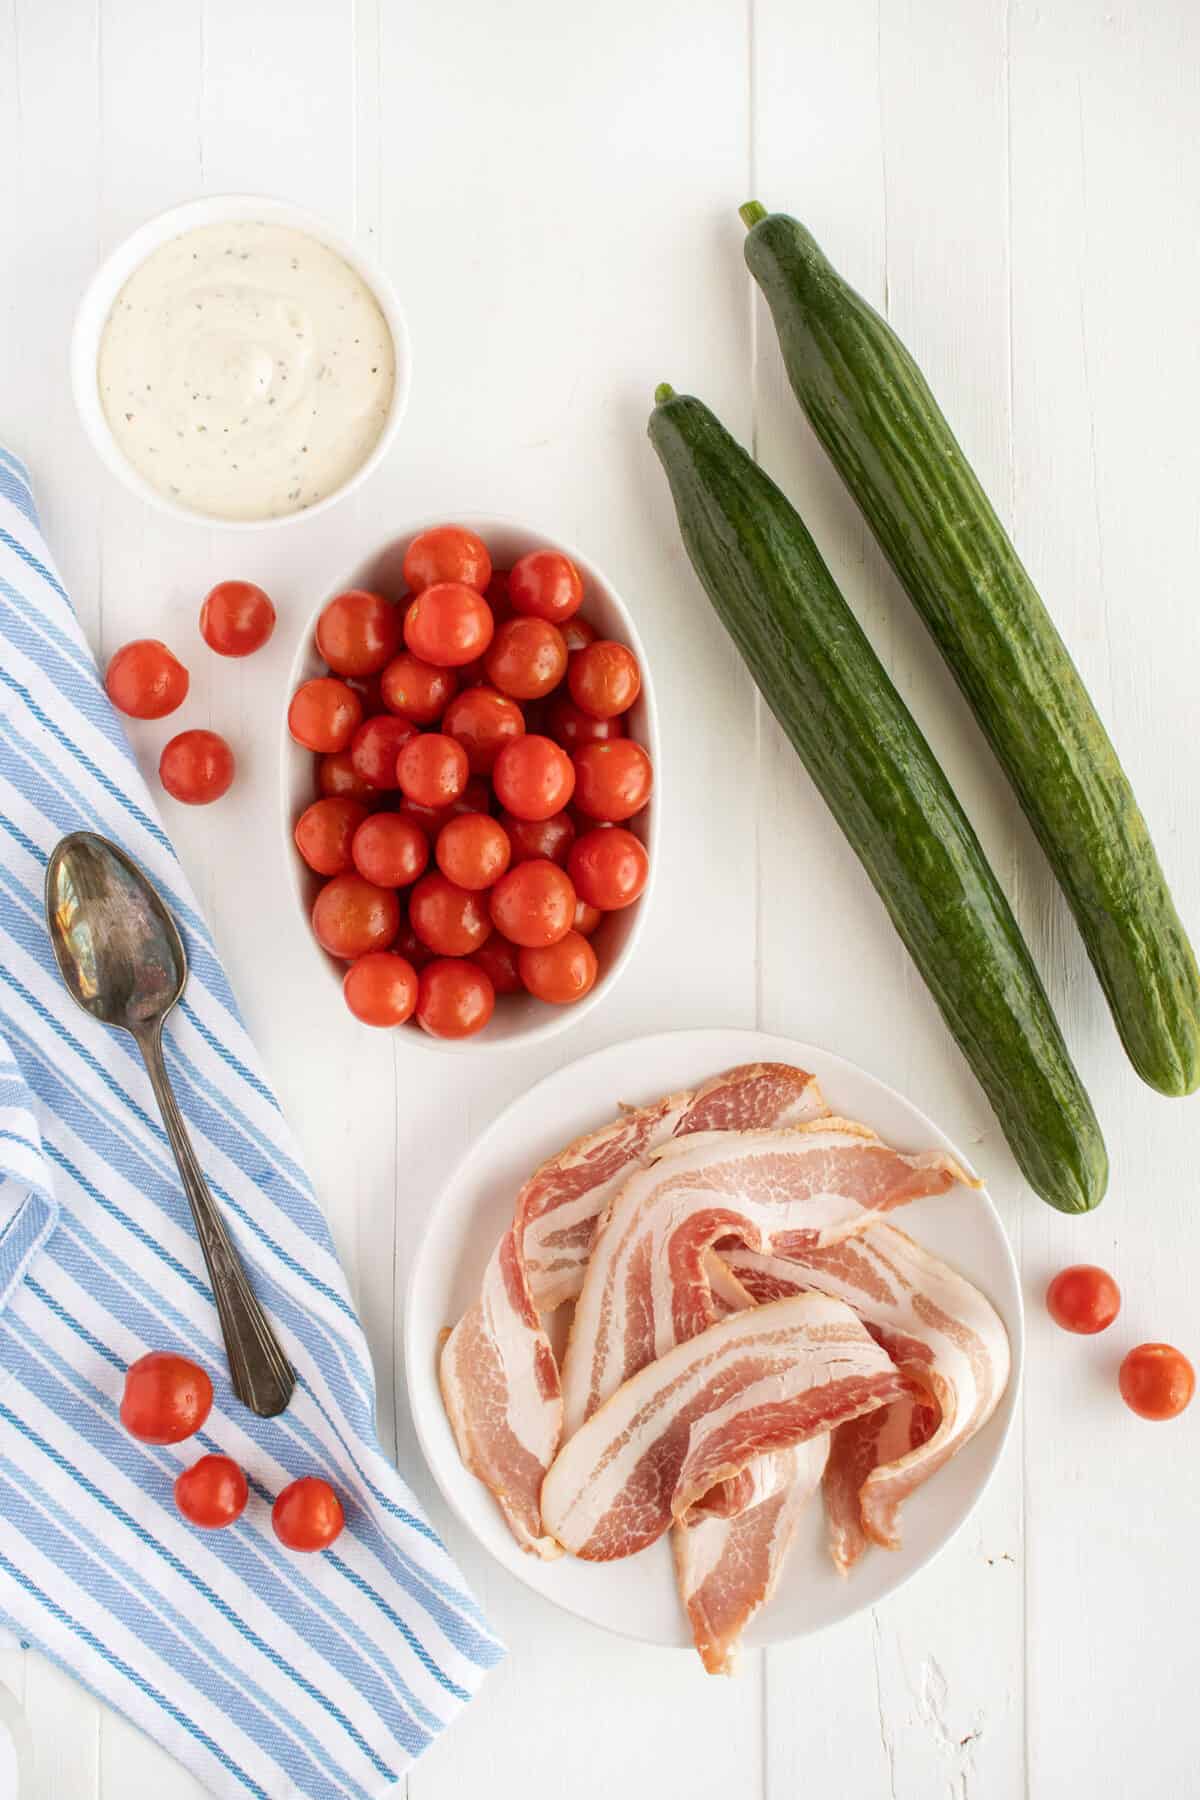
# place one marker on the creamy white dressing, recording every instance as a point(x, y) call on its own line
point(245, 370)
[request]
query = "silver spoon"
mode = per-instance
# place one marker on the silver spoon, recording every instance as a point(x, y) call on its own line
point(122, 958)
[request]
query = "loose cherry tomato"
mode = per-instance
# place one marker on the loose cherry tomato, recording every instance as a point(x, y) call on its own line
point(324, 714)
point(448, 625)
point(527, 658)
point(604, 679)
point(351, 916)
point(449, 920)
point(473, 851)
point(612, 781)
point(337, 775)
point(1083, 1299)
point(381, 988)
point(214, 1491)
point(145, 680)
point(586, 917)
point(166, 1399)
point(409, 946)
point(609, 867)
point(550, 838)
point(389, 850)
point(359, 632)
point(196, 767)
point(475, 797)
point(324, 831)
point(455, 999)
point(236, 618)
point(567, 725)
point(496, 594)
point(533, 777)
point(307, 1515)
point(432, 769)
point(560, 973)
point(1157, 1381)
point(377, 744)
point(447, 553)
point(547, 585)
point(483, 721)
point(533, 905)
point(498, 960)
point(577, 634)
point(415, 689)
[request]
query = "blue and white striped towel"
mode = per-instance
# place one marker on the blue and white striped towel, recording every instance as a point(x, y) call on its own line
point(266, 1673)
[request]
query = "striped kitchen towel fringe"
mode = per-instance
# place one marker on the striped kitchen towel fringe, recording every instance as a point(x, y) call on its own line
point(266, 1673)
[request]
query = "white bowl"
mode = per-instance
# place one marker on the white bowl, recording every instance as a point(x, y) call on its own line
point(518, 1018)
point(111, 277)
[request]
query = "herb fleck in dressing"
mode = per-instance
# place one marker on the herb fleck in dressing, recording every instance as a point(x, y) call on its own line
point(245, 370)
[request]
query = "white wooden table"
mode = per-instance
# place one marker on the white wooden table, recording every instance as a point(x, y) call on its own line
point(553, 188)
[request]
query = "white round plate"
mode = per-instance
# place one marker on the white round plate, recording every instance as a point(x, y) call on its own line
point(637, 1597)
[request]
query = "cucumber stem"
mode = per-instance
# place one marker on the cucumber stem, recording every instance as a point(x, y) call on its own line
point(752, 213)
point(663, 392)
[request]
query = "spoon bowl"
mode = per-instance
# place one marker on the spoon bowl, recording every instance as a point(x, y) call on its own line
point(122, 959)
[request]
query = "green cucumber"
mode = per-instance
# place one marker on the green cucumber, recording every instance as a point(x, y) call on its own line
point(871, 408)
point(862, 747)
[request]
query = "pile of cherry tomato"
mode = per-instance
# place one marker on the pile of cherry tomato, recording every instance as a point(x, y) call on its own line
point(1156, 1381)
point(476, 786)
point(166, 1399)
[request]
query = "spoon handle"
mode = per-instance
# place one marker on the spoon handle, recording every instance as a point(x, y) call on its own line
point(262, 1377)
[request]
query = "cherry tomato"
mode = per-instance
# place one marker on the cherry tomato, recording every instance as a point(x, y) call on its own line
point(609, 867)
point(377, 744)
point(307, 1515)
point(447, 553)
point(567, 725)
point(475, 797)
point(236, 618)
point(533, 777)
point(196, 767)
point(381, 988)
point(498, 960)
point(351, 916)
point(324, 831)
point(449, 920)
point(612, 781)
point(448, 625)
point(359, 632)
point(560, 973)
point(533, 905)
point(389, 850)
point(473, 851)
point(577, 634)
point(550, 838)
point(214, 1491)
point(1157, 1381)
point(409, 946)
point(1083, 1299)
point(415, 689)
point(496, 594)
point(432, 769)
point(145, 680)
point(483, 721)
point(547, 585)
point(166, 1399)
point(324, 714)
point(337, 775)
point(455, 999)
point(604, 679)
point(527, 658)
point(586, 917)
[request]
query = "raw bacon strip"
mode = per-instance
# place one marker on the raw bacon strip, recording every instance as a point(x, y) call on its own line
point(756, 1382)
point(863, 1445)
point(781, 1192)
point(727, 1569)
point(556, 1211)
point(940, 1330)
point(499, 1378)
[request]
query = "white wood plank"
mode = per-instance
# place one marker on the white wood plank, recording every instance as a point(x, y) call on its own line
point(913, 1699)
